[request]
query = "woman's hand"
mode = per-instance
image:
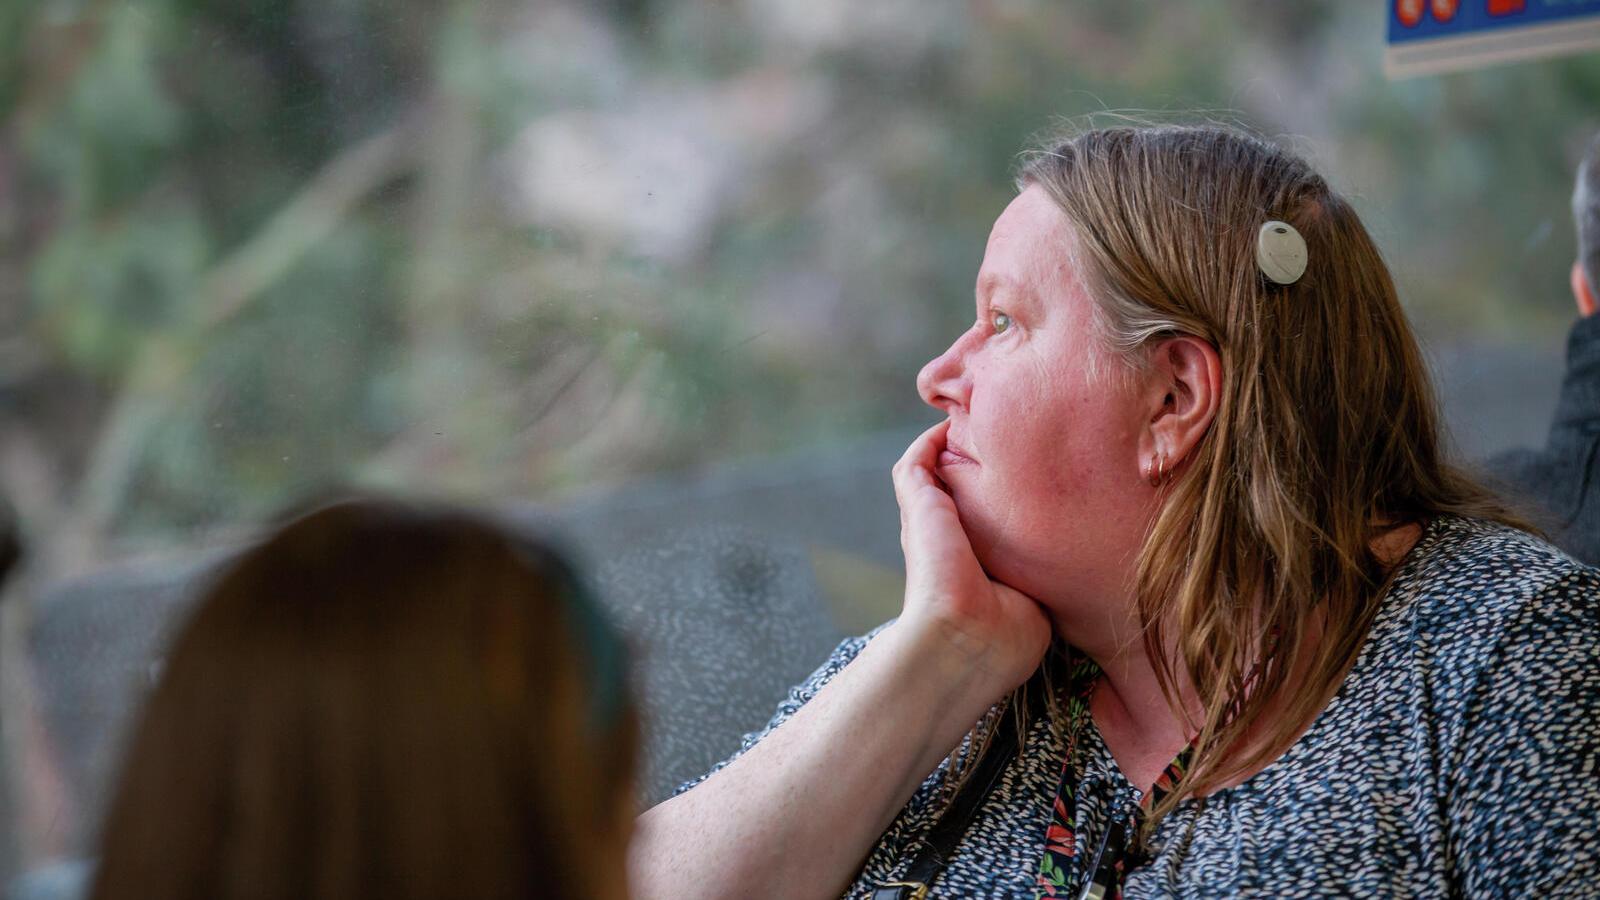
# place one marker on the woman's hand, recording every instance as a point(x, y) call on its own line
point(949, 597)
point(793, 817)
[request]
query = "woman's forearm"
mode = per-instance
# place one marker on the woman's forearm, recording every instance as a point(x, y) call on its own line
point(796, 816)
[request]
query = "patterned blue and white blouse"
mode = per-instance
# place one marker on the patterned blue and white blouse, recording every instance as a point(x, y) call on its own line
point(1460, 758)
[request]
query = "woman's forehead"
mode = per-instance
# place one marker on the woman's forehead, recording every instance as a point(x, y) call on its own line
point(1030, 217)
point(1029, 251)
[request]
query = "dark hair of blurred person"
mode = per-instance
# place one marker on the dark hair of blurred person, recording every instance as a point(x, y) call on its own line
point(387, 701)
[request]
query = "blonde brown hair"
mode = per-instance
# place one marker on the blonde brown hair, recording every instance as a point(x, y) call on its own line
point(381, 701)
point(1327, 434)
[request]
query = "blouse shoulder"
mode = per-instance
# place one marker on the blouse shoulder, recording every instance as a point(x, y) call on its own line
point(1503, 628)
point(1472, 586)
point(1480, 617)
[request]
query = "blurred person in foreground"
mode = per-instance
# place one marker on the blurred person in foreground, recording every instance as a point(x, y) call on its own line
point(1561, 481)
point(381, 701)
point(1195, 606)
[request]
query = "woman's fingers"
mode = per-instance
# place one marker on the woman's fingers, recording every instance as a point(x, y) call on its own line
point(915, 467)
point(914, 479)
point(939, 558)
point(924, 451)
point(946, 584)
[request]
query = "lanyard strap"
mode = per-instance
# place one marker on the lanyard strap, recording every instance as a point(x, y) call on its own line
point(936, 847)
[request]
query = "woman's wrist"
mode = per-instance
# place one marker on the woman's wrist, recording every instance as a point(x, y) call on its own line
point(958, 674)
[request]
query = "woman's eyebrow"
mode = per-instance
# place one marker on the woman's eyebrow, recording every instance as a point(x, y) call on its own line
point(984, 290)
point(995, 283)
point(1016, 294)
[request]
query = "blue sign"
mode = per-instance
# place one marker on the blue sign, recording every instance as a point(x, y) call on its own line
point(1432, 36)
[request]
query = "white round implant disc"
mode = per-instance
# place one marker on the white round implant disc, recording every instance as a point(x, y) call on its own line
point(1281, 252)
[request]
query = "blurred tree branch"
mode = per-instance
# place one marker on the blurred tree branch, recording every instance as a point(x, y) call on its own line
point(153, 382)
point(308, 218)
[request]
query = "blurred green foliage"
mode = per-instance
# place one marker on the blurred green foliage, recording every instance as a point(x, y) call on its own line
point(498, 249)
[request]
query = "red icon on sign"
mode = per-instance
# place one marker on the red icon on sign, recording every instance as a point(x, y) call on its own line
point(1445, 10)
point(1506, 7)
point(1409, 11)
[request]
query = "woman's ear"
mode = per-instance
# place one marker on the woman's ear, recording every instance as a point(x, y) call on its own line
point(1184, 394)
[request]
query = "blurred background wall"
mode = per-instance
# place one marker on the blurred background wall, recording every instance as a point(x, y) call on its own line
point(580, 255)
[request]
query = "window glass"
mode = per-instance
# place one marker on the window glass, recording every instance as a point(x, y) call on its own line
point(634, 266)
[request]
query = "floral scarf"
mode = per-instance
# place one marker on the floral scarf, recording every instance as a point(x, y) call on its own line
point(1116, 854)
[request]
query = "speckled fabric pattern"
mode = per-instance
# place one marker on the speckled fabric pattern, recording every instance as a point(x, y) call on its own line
point(1461, 757)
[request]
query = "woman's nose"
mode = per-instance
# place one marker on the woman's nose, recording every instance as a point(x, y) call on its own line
point(943, 381)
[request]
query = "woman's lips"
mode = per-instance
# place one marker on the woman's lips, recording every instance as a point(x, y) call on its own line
point(949, 457)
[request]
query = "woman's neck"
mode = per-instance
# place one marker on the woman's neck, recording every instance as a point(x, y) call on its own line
point(1133, 715)
point(1141, 728)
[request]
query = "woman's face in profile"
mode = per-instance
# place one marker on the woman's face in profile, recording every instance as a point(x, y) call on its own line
point(1042, 456)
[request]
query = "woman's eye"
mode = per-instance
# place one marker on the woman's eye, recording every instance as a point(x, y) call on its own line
point(1001, 322)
